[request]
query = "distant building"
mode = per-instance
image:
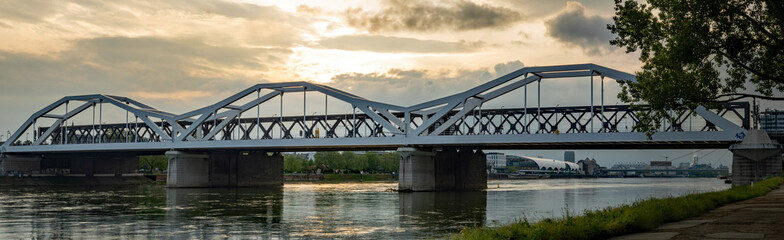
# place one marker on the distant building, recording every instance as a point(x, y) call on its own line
point(521, 163)
point(589, 167)
point(569, 156)
point(623, 166)
point(661, 164)
point(496, 161)
point(772, 121)
point(684, 165)
point(535, 163)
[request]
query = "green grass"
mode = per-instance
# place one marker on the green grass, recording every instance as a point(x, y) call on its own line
point(614, 221)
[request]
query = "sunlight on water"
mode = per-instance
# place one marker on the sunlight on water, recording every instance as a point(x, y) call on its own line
point(310, 210)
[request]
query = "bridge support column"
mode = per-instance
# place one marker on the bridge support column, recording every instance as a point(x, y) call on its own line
point(755, 159)
point(428, 170)
point(187, 169)
point(20, 164)
point(229, 168)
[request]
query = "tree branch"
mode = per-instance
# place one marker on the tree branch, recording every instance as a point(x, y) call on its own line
point(754, 71)
point(756, 24)
point(746, 95)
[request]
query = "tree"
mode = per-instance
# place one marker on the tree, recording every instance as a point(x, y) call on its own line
point(371, 160)
point(390, 161)
point(699, 53)
point(151, 163)
point(293, 163)
point(330, 161)
point(320, 161)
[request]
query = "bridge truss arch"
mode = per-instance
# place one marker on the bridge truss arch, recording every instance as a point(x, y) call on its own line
point(455, 120)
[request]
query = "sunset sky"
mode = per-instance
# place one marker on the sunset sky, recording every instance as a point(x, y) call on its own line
point(180, 55)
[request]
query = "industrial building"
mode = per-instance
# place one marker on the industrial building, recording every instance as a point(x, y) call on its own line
point(498, 162)
point(772, 121)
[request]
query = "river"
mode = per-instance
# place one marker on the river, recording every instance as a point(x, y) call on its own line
point(304, 210)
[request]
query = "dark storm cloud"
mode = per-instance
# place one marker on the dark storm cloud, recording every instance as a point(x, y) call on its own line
point(424, 16)
point(390, 44)
point(573, 27)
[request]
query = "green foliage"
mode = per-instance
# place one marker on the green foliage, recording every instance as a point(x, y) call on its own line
point(150, 163)
point(699, 52)
point(348, 161)
point(390, 162)
point(294, 163)
point(372, 162)
point(637, 217)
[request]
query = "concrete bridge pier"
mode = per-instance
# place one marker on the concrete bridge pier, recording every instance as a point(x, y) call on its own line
point(755, 159)
point(448, 169)
point(229, 168)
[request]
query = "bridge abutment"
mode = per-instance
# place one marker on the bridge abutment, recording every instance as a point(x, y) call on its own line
point(755, 159)
point(229, 168)
point(20, 164)
point(74, 165)
point(430, 170)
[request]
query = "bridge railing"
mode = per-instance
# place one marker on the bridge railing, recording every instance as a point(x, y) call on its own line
point(551, 120)
point(611, 118)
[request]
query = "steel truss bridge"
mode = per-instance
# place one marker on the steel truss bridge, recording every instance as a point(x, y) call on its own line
point(459, 120)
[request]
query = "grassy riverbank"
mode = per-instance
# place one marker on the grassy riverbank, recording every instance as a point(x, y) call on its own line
point(614, 221)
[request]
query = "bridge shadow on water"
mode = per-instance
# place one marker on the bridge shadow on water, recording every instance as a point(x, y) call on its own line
point(442, 211)
point(263, 206)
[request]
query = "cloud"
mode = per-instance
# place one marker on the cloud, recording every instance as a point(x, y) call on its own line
point(375, 43)
point(538, 9)
point(41, 10)
point(573, 27)
point(183, 95)
point(411, 86)
point(424, 16)
point(504, 68)
point(120, 65)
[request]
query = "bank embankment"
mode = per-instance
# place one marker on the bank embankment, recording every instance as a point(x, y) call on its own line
point(625, 219)
point(9, 181)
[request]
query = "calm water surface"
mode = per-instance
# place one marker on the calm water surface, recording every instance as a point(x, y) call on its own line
point(347, 210)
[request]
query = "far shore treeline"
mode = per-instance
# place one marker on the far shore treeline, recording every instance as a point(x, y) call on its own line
point(343, 162)
point(328, 162)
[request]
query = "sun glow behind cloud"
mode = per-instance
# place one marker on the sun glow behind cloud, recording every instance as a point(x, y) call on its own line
point(321, 65)
point(181, 53)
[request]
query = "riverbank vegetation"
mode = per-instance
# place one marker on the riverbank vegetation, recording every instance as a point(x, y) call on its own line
point(334, 162)
point(342, 162)
point(614, 221)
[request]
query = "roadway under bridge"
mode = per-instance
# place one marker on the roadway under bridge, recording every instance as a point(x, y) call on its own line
point(448, 131)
